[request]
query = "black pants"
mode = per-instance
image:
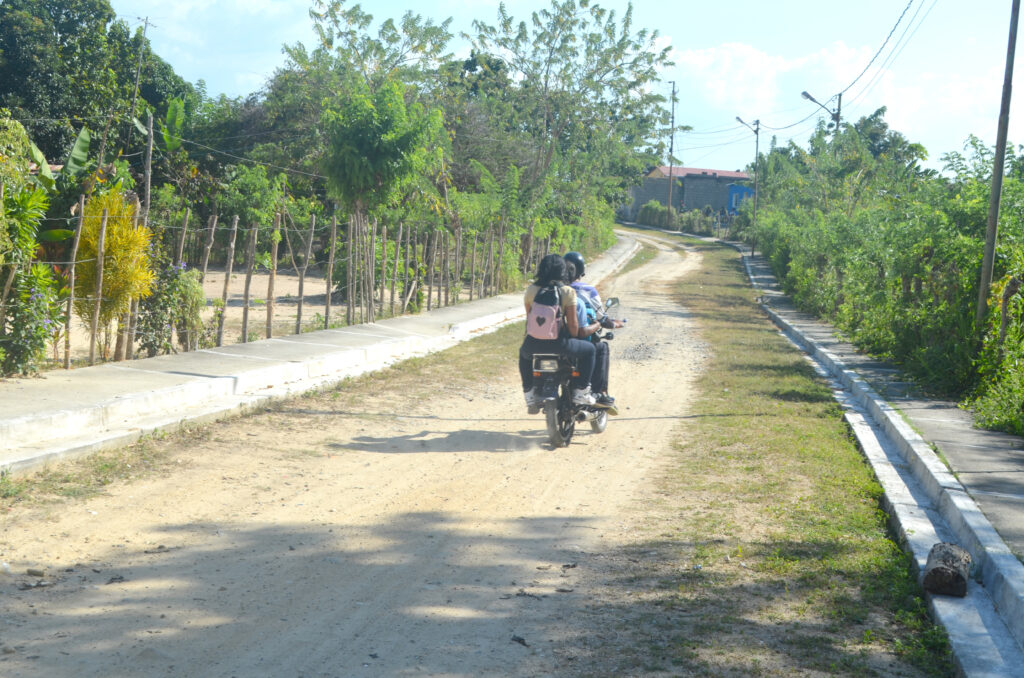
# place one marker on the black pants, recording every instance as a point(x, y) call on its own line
point(602, 360)
point(582, 351)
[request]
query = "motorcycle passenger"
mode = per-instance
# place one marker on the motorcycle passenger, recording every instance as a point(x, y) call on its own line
point(595, 314)
point(551, 274)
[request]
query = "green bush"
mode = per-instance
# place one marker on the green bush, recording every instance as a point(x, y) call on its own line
point(655, 214)
point(33, 318)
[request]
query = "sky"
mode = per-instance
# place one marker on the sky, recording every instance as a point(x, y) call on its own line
point(939, 70)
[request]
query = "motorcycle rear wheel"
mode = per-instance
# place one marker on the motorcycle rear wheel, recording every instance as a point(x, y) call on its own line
point(560, 419)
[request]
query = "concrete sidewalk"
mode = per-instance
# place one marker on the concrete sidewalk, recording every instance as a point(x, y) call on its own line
point(68, 413)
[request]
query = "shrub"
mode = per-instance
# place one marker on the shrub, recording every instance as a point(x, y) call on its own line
point(127, 274)
point(174, 306)
point(33, 315)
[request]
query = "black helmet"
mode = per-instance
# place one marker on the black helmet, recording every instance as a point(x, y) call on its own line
point(577, 260)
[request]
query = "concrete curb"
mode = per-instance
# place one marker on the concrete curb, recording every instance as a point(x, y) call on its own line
point(974, 622)
point(120, 418)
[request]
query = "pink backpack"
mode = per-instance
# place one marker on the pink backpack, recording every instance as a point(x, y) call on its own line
point(545, 319)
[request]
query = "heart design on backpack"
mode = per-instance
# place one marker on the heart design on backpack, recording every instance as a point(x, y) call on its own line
point(541, 321)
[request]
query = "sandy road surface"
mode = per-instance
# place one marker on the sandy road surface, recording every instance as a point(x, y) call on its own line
point(397, 535)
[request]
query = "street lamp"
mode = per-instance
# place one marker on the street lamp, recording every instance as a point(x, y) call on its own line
point(756, 129)
point(833, 114)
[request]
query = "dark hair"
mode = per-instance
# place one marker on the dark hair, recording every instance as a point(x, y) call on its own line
point(551, 269)
point(570, 271)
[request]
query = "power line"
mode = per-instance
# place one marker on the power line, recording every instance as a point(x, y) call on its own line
point(884, 43)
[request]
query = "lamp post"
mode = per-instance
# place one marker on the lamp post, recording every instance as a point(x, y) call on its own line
point(835, 115)
point(671, 150)
point(756, 129)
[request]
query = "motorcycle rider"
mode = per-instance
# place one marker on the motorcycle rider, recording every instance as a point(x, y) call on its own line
point(592, 298)
point(552, 271)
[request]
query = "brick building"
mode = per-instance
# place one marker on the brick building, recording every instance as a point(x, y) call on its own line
point(694, 188)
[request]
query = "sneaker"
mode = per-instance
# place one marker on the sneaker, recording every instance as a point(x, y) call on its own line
point(604, 399)
point(582, 396)
point(533, 401)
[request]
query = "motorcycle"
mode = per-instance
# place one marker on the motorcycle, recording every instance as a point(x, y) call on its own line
point(555, 372)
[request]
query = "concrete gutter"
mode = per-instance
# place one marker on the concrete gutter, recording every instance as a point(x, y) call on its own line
point(67, 414)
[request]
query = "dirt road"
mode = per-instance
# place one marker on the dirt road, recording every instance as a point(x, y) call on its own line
point(424, 530)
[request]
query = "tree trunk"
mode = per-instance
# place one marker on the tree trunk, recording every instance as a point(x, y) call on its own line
point(228, 266)
point(947, 570)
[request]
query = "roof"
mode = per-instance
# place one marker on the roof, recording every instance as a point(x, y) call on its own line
point(663, 172)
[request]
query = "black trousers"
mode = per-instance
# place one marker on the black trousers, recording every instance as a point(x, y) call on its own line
point(602, 360)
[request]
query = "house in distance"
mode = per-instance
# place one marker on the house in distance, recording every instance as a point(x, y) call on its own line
point(694, 188)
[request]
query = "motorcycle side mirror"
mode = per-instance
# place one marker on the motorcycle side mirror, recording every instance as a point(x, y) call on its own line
point(614, 301)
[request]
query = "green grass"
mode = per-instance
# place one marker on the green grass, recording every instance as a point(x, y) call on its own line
point(775, 503)
point(645, 254)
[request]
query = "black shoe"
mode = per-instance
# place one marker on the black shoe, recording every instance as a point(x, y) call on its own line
point(604, 399)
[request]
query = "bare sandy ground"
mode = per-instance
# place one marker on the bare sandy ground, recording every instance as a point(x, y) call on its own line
point(425, 532)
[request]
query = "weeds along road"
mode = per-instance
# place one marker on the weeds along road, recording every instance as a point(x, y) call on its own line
point(413, 522)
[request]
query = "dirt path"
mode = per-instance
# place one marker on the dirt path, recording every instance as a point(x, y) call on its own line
point(428, 531)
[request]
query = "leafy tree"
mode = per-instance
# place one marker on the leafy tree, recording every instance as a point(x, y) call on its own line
point(375, 142)
point(583, 92)
point(127, 272)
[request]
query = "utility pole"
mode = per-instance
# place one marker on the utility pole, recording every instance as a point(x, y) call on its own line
point(756, 129)
point(671, 147)
point(138, 73)
point(992, 228)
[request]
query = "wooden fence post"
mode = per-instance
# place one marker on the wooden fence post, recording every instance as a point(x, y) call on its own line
point(94, 326)
point(350, 278)
point(250, 261)
point(211, 228)
point(71, 283)
point(501, 257)
point(330, 271)
point(429, 254)
point(275, 239)
point(394, 274)
point(472, 274)
point(446, 269)
point(181, 240)
point(383, 264)
point(372, 274)
point(302, 273)
point(133, 325)
point(489, 270)
point(228, 266)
